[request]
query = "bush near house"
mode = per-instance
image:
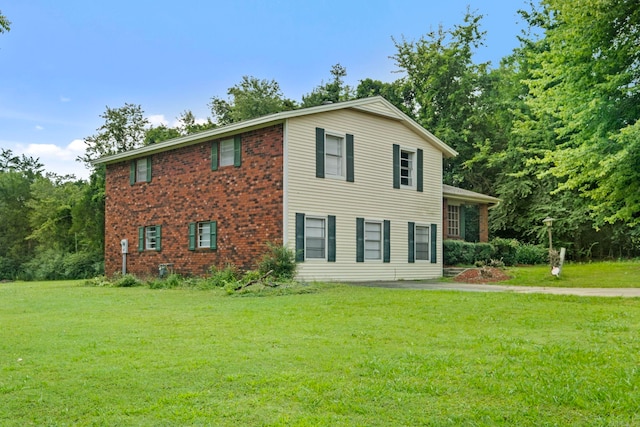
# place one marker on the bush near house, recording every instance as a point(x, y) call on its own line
point(508, 251)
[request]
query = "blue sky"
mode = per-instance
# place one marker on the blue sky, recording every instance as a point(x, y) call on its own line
point(64, 61)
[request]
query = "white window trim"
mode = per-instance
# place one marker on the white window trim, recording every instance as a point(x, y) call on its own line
point(138, 177)
point(381, 224)
point(414, 158)
point(220, 157)
point(457, 220)
point(199, 234)
point(415, 242)
point(326, 249)
point(343, 155)
point(147, 240)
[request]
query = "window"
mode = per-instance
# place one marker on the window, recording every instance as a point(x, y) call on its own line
point(372, 240)
point(140, 170)
point(203, 235)
point(149, 238)
point(334, 155)
point(453, 220)
point(315, 238)
point(422, 242)
point(227, 152)
point(406, 168)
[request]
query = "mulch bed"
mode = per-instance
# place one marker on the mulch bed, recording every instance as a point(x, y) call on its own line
point(481, 275)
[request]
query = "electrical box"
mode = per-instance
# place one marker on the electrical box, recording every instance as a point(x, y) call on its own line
point(125, 246)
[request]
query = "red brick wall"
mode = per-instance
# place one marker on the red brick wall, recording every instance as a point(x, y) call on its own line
point(246, 202)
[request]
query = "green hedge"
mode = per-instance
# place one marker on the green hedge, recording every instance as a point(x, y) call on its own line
point(509, 251)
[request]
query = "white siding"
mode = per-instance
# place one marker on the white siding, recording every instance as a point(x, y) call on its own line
point(371, 196)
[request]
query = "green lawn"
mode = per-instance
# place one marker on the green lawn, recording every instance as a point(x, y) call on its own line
point(622, 274)
point(342, 356)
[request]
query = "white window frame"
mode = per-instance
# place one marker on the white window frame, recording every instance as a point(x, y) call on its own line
point(411, 168)
point(379, 242)
point(141, 170)
point(427, 229)
point(307, 236)
point(151, 238)
point(203, 235)
point(453, 220)
point(341, 158)
point(227, 152)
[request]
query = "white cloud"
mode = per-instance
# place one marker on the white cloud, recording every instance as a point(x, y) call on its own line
point(157, 120)
point(64, 99)
point(38, 127)
point(60, 160)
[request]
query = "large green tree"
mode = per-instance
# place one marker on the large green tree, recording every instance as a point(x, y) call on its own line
point(249, 99)
point(588, 80)
point(124, 129)
point(333, 91)
point(444, 87)
point(5, 24)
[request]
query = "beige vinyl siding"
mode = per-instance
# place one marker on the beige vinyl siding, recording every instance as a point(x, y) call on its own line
point(371, 196)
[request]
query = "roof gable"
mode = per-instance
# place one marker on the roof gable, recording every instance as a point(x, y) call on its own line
point(376, 105)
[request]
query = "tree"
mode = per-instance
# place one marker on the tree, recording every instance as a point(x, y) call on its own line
point(444, 87)
point(395, 92)
point(124, 129)
point(160, 133)
point(5, 24)
point(588, 81)
point(188, 123)
point(249, 99)
point(334, 91)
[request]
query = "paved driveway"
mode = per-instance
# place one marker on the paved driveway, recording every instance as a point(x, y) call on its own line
point(465, 287)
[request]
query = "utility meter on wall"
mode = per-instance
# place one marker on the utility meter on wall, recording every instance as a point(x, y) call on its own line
point(125, 246)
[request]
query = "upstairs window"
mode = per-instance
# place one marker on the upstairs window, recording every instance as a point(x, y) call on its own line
point(406, 168)
point(140, 170)
point(334, 155)
point(227, 152)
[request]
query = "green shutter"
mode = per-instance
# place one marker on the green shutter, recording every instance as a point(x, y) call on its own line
point(412, 242)
point(319, 153)
point(396, 166)
point(213, 235)
point(350, 174)
point(237, 151)
point(158, 238)
point(140, 239)
point(192, 236)
point(214, 156)
point(420, 171)
point(359, 239)
point(331, 234)
point(132, 172)
point(434, 243)
point(299, 237)
point(387, 241)
point(148, 169)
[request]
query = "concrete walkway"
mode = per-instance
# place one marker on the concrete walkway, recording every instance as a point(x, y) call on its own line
point(466, 287)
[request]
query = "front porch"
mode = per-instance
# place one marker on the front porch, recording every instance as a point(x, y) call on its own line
point(465, 214)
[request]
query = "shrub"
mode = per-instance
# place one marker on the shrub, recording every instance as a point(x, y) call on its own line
point(531, 254)
point(280, 260)
point(505, 250)
point(127, 281)
point(458, 252)
point(221, 278)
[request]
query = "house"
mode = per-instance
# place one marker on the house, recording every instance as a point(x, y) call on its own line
point(355, 188)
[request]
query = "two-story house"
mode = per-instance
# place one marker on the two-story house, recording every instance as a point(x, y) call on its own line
point(355, 188)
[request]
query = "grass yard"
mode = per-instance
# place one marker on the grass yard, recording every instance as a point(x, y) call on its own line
point(621, 274)
point(342, 356)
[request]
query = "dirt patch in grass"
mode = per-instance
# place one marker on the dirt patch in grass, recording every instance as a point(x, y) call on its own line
point(482, 275)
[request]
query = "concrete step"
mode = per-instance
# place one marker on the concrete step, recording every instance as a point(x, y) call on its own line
point(453, 271)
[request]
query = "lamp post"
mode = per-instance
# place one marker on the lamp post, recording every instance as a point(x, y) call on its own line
point(548, 221)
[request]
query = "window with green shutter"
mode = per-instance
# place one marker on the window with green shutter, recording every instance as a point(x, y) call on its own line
point(227, 152)
point(140, 170)
point(334, 155)
point(150, 238)
point(203, 235)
